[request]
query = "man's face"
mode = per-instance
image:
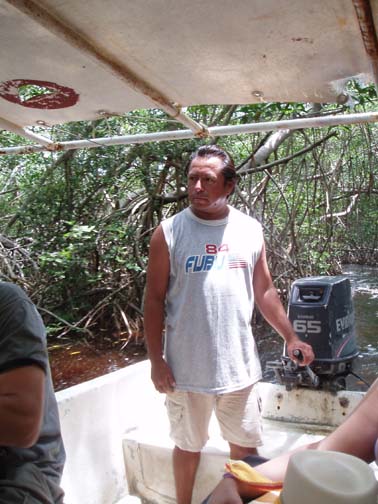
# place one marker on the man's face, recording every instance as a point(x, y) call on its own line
point(207, 188)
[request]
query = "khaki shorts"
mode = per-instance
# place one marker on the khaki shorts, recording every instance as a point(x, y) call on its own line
point(238, 415)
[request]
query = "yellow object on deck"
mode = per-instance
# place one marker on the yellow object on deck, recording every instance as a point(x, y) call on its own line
point(247, 474)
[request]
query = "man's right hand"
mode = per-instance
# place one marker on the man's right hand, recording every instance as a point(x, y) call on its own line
point(162, 376)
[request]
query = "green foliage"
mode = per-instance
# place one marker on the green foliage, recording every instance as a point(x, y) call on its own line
point(83, 219)
point(28, 91)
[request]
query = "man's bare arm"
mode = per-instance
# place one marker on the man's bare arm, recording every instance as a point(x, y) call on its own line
point(154, 306)
point(269, 303)
point(21, 405)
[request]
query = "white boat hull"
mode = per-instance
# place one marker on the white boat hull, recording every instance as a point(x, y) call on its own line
point(117, 437)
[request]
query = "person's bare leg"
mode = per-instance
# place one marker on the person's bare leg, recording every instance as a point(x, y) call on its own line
point(356, 436)
point(239, 452)
point(358, 433)
point(185, 465)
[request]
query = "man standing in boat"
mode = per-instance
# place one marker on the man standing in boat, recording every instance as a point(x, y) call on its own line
point(207, 267)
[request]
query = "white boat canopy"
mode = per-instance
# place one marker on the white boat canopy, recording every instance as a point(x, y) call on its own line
point(65, 61)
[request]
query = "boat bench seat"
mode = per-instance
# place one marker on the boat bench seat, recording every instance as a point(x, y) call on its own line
point(147, 448)
point(148, 460)
point(148, 456)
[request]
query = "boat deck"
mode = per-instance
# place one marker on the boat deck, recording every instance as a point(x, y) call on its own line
point(148, 448)
point(149, 466)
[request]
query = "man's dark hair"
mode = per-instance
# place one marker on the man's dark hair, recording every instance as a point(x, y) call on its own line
point(206, 151)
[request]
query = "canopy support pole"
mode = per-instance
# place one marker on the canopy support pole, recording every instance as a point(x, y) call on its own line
point(7, 125)
point(216, 131)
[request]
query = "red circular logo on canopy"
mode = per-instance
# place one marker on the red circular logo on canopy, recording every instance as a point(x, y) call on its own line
point(50, 95)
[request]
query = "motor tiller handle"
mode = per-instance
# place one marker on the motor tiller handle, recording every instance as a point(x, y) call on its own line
point(298, 354)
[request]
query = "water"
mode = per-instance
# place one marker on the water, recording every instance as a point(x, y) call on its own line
point(364, 281)
point(77, 362)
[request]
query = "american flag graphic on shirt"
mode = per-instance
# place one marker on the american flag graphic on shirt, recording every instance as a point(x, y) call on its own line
point(237, 261)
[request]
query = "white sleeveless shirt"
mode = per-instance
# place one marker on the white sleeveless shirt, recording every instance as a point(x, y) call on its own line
point(208, 342)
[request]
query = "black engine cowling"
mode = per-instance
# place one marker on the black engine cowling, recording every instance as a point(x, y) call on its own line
point(322, 314)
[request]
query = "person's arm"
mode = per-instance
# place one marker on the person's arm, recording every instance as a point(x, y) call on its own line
point(358, 434)
point(21, 405)
point(269, 304)
point(355, 436)
point(154, 304)
point(348, 438)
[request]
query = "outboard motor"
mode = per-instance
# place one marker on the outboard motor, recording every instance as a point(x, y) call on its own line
point(321, 311)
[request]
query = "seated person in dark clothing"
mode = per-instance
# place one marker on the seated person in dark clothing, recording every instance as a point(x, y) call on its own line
point(31, 449)
point(357, 436)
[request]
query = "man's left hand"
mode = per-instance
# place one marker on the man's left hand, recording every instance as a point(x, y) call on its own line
point(300, 352)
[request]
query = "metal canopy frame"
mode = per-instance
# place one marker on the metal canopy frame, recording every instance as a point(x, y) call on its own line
point(34, 10)
point(216, 131)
